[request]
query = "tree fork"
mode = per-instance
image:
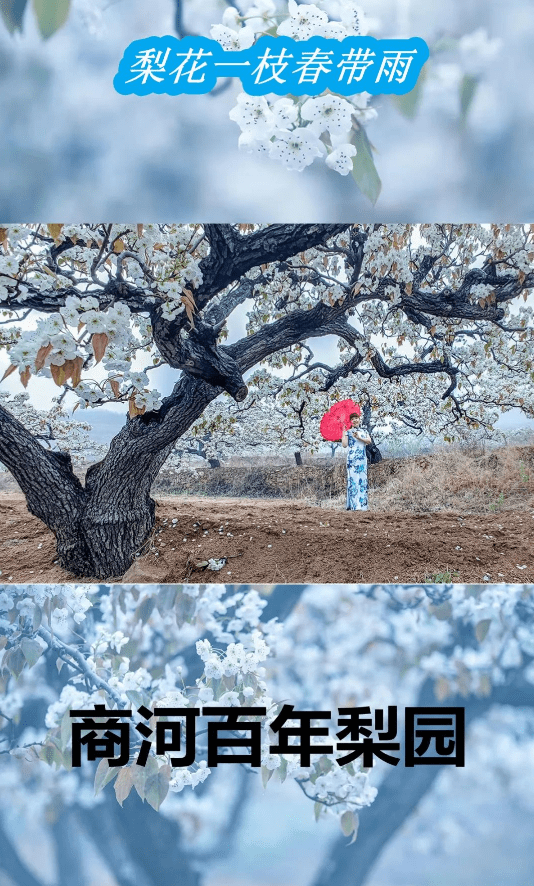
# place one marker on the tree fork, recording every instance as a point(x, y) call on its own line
point(98, 528)
point(197, 353)
point(119, 513)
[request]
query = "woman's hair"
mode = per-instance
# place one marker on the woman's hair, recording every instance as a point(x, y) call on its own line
point(354, 415)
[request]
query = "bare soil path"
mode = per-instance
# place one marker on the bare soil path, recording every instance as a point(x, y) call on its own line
point(268, 541)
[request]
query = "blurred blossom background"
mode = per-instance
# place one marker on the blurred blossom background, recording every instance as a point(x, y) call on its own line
point(71, 147)
point(356, 645)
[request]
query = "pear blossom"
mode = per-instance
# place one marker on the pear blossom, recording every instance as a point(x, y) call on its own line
point(304, 21)
point(328, 113)
point(340, 158)
point(233, 40)
point(253, 113)
point(296, 149)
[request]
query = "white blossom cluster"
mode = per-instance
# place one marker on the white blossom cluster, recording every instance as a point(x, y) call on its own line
point(421, 641)
point(53, 427)
point(234, 673)
point(498, 780)
point(296, 131)
point(494, 364)
point(342, 646)
point(164, 264)
point(62, 601)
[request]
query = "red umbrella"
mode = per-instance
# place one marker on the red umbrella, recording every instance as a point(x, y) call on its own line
point(337, 419)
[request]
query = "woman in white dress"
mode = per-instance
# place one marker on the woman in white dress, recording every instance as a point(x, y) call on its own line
point(355, 440)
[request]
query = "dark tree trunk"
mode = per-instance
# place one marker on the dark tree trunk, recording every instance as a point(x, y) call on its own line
point(67, 849)
point(198, 353)
point(101, 823)
point(298, 458)
point(402, 790)
point(101, 526)
point(117, 519)
point(154, 844)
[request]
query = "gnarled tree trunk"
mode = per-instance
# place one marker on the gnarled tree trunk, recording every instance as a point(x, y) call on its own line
point(100, 526)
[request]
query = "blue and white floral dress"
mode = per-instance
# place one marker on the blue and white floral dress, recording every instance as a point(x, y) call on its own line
point(356, 474)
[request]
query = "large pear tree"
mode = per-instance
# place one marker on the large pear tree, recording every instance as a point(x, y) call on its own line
point(106, 311)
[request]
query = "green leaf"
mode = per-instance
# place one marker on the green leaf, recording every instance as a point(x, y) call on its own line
point(317, 809)
point(347, 823)
point(12, 12)
point(124, 784)
point(266, 775)
point(482, 629)
point(51, 15)
point(51, 754)
point(104, 774)
point(37, 617)
point(408, 104)
point(165, 598)
point(442, 611)
point(484, 686)
point(145, 609)
point(157, 786)
point(184, 607)
point(136, 698)
point(356, 826)
point(442, 689)
point(468, 88)
point(66, 730)
point(15, 660)
point(363, 168)
point(32, 650)
point(445, 44)
point(282, 770)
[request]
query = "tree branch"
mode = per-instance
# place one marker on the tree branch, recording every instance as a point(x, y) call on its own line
point(401, 791)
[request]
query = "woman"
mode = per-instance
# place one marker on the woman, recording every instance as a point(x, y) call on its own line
point(356, 442)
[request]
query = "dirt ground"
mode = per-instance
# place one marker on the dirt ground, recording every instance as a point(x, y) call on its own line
point(276, 541)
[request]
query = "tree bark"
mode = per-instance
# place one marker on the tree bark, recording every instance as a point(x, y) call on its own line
point(101, 526)
point(67, 850)
point(53, 492)
point(154, 844)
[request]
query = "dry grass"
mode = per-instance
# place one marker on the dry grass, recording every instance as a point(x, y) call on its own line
point(315, 483)
point(456, 479)
point(449, 479)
